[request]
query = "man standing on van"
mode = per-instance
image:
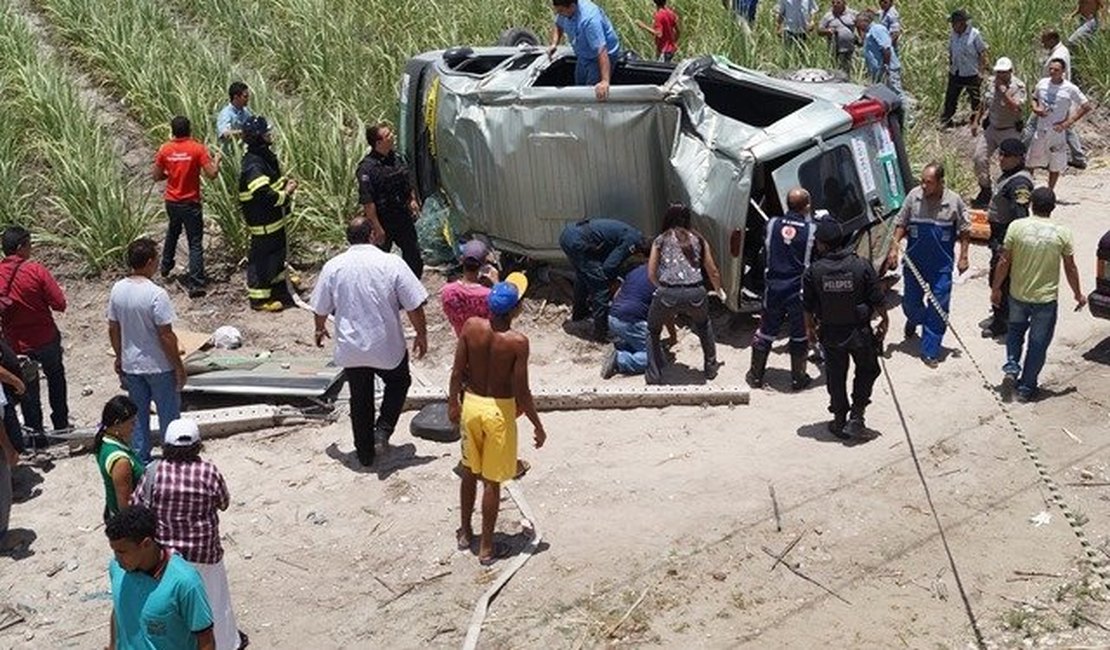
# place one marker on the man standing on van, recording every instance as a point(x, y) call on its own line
point(595, 42)
point(931, 220)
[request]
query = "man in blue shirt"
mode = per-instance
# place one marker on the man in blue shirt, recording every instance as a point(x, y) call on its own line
point(593, 38)
point(628, 325)
point(879, 53)
point(230, 120)
point(158, 598)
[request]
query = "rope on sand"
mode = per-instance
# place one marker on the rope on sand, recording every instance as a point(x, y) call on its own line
point(481, 608)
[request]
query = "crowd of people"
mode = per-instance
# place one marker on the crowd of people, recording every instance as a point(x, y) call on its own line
point(162, 512)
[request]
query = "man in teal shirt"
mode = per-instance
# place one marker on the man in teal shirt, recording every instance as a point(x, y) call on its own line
point(1031, 255)
point(593, 38)
point(158, 598)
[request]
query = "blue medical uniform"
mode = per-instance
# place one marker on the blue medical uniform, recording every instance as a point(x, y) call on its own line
point(789, 244)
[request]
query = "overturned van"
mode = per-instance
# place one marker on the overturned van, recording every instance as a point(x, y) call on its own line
point(518, 151)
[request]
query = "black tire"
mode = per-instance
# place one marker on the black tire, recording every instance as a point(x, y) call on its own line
point(431, 423)
point(517, 36)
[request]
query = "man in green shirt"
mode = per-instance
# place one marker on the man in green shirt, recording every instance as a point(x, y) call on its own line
point(158, 598)
point(1031, 255)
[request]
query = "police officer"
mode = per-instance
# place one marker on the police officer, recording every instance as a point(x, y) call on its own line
point(1002, 106)
point(265, 197)
point(1010, 202)
point(387, 197)
point(932, 218)
point(842, 295)
point(789, 243)
point(596, 249)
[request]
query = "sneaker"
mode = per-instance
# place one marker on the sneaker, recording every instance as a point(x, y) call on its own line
point(381, 443)
point(856, 426)
point(609, 365)
point(910, 330)
point(1078, 164)
point(802, 383)
point(752, 380)
point(930, 362)
point(836, 426)
point(271, 306)
point(1024, 395)
point(711, 370)
point(1009, 382)
point(196, 292)
point(994, 330)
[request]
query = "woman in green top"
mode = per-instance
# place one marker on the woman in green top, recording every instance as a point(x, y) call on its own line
point(113, 444)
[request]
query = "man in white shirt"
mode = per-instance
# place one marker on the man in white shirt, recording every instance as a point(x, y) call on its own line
point(967, 58)
point(1058, 104)
point(1050, 41)
point(365, 289)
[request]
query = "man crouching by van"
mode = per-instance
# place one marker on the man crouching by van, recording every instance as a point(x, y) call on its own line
point(492, 359)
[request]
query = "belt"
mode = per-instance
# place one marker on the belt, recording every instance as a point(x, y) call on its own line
point(268, 228)
point(681, 286)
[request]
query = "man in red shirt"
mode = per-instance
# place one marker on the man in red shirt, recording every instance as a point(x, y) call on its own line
point(180, 163)
point(665, 29)
point(29, 326)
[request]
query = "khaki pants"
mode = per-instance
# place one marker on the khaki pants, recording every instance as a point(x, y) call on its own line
point(985, 147)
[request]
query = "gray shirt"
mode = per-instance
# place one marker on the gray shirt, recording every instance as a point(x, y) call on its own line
point(674, 268)
point(843, 27)
point(796, 14)
point(141, 307)
point(964, 51)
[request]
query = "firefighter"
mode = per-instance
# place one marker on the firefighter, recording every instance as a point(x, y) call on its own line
point(265, 197)
point(789, 244)
point(842, 295)
point(1010, 202)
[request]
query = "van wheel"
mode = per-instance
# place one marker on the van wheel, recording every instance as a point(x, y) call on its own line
point(815, 76)
point(517, 36)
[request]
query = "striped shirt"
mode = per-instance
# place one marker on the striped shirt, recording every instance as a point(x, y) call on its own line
point(187, 497)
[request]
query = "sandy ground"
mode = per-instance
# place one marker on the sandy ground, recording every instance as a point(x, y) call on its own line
point(654, 521)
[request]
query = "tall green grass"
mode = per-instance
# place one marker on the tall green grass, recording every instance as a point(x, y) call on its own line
point(66, 151)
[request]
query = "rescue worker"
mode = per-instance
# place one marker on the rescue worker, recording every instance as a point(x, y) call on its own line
point(842, 295)
point(932, 218)
point(596, 249)
point(265, 197)
point(1010, 202)
point(388, 199)
point(789, 244)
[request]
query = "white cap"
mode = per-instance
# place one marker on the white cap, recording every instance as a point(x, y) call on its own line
point(182, 432)
point(1003, 64)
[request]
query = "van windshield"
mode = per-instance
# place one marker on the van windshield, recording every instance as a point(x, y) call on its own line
point(834, 185)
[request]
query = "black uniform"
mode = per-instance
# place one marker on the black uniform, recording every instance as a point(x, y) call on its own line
point(265, 205)
point(842, 293)
point(384, 181)
point(1010, 201)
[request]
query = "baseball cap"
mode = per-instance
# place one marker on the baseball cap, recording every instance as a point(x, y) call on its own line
point(828, 231)
point(1003, 64)
point(505, 296)
point(182, 432)
point(475, 250)
point(1011, 147)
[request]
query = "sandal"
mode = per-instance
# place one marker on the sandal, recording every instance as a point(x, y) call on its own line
point(522, 467)
point(463, 539)
point(501, 550)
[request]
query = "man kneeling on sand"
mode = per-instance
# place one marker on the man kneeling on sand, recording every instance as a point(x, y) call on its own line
point(492, 360)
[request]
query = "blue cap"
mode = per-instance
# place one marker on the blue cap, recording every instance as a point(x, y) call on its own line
point(505, 296)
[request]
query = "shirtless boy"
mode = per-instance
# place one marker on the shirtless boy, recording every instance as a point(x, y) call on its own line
point(491, 362)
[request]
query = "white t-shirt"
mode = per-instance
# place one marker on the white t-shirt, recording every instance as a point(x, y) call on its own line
point(366, 289)
point(141, 307)
point(1060, 100)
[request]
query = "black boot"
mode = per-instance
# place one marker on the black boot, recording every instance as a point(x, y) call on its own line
point(759, 366)
point(836, 427)
point(982, 201)
point(856, 426)
point(798, 377)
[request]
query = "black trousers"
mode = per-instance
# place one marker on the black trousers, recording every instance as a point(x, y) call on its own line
point(49, 357)
point(668, 302)
point(403, 233)
point(1001, 312)
point(266, 268)
point(363, 423)
point(956, 85)
point(187, 216)
point(860, 348)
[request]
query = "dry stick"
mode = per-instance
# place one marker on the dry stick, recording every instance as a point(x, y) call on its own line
point(775, 506)
point(807, 578)
point(1038, 574)
point(1092, 621)
point(87, 630)
point(291, 563)
point(414, 585)
point(789, 547)
point(382, 583)
point(1089, 484)
point(624, 618)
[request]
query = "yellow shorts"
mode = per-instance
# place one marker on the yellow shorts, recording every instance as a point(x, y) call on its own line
point(489, 436)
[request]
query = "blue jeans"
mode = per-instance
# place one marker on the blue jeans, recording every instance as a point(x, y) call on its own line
point(630, 338)
point(1039, 319)
point(161, 388)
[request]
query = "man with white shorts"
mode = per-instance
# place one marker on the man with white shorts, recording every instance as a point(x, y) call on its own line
point(1058, 104)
